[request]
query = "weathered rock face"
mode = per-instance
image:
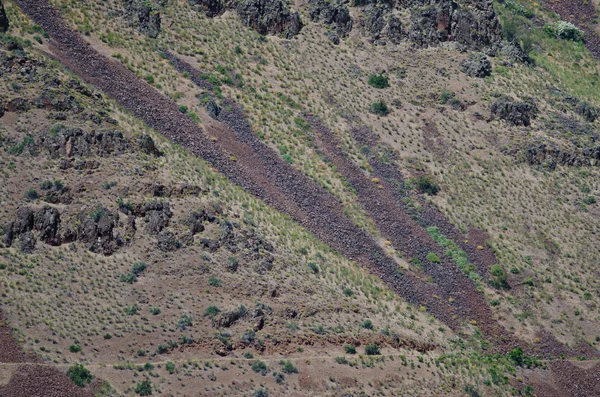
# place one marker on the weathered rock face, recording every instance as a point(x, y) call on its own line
point(3, 19)
point(73, 142)
point(47, 221)
point(334, 14)
point(264, 16)
point(157, 215)
point(167, 242)
point(146, 143)
point(211, 8)
point(550, 155)
point(516, 113)
point(96, 229)
point(514, 52)
point(269, 17)
point(477, 65)
point(145, 16)
point(589, 112)
point(473, 24)
point(213, 109)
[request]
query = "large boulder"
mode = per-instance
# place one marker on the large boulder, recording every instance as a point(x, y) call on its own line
point(145, 16)
point(96, 230)
point(269, 17)
point(430, 25)
point(3, 19)
point(475, 25)
point(65, 141)
point(47, 222)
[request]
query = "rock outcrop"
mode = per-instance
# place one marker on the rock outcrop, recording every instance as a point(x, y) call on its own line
point(476, 65)
point(269, 17)
point(3, 19)
point(65, 141)
point(516, 113)
point(264, 16)
point(96, 230)
point(333, 14)
point(145, 16)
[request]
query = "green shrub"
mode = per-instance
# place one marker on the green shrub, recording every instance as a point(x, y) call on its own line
point(32, 194)
point(170, 367)
point(500, 280)
point(341, 360)
point(367, 324)
point(150, 79)
point(214, 282)
point(260, 367)
point(379, 81)
point(288, 367)
point(184, 322)
point(348, 292)
point(433, 258)
point(211, 311)
point(183, 109)
point(144, 388)
point(107, 336)
point(372, 350)
point(138, 268)
point(154, 310)
point(567, 31)
point(589, 200)
point(74, 348)
point(128, 278)
point(379, 108)
point(80, 375)
point(425, 184)
point(313, 266)
point(349, 349)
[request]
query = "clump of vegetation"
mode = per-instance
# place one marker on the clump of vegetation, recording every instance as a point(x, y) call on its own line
point(379, 81)
point(564, 30)
point(349, 349)
point(500, 279)
point(425, 184)
point(144, 388)
point(80, 375)
point(379, 108)
point(260, 367)
point(211, 311)
point(433, 258)
point(288, 367)
point(136, 269)
point(75, 348)
point(372, 350)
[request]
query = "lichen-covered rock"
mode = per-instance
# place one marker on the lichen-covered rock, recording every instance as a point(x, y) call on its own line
point(394, 31)
point(334, 14)
point(167, 242)
point(211, 8)
point(196, 221)
point(473, 24)
point(476, 65)
point(27, 242)
point(65, 141)
point(514, 52)
point(96, 230)
point(4, 25)
point(157, 215)
point(516, 113)
point(145, 16)
point(269, 17)
point(47, 222)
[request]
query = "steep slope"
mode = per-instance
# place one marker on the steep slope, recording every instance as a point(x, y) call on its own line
point(351, 134)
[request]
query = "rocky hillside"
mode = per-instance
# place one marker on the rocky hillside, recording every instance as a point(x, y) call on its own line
point(313, 198)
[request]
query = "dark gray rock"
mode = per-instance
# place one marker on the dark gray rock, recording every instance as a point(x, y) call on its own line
point(589, 112)
point(211, 8)
point(157, 215)
point(167, 242)
point(475, 25)
point(516, 113)
point(269, 17)
point(228, 318)
point(144, 15)
point(18, 105)
point(96, 230)
point(196, 221)
point(476, 65)
point(213, 109)
point(430, 25)
point(4, 25)
point(394, 31)
point(334, 14)
point(47, 222)
point(27, 242)
point(65, 141)
point(514, 52)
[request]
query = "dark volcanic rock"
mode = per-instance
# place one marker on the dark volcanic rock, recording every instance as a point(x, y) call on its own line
point(196, 220)
point(167, 241)
point(18, 105)
point(47, 222)
point(65, 141)
point(213, 109)
point(157, 215)
point(96, 229)
point(516, 113)
point(3, 19)
point(145, 16)
point(332, 13)
point(476, 65)
point(514, 52)
point(27, 242)
point(589, 112)
point(472, 23)
point(211, 8)
point(269, 17)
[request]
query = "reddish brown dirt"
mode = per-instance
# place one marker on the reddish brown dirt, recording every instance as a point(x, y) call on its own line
point(581, 13)
point(31, 380)
point(41, 381)
point(565, 378)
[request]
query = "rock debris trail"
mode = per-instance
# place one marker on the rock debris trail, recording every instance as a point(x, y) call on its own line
point(264, 174)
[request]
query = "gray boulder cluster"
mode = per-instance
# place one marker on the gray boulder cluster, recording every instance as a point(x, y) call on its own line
point(145, 16)
point(476, 65)
point(516, 113)
point(333, 14)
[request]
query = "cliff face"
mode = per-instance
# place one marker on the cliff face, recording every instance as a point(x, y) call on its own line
point(3, 18)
